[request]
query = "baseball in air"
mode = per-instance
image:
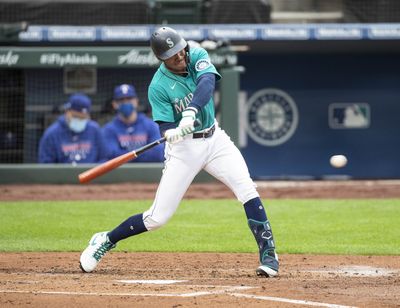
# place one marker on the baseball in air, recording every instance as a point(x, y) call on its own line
point(338, 161)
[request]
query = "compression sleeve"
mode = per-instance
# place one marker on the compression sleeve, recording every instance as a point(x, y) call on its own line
point(204, 91)
point(163, 126)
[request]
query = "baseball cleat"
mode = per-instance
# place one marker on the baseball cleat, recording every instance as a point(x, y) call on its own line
point(269, 266)
point(265, 271)
point(99, 244)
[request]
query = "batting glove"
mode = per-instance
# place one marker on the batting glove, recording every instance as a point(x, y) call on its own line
point(173, 135)
point(187, 122)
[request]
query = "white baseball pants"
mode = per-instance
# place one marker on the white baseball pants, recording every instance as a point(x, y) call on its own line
point(217, 155)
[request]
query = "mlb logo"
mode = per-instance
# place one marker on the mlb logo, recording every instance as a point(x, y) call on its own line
point(349, 115)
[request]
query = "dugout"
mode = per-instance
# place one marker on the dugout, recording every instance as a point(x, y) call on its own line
point(306, 91)
point(36, 82)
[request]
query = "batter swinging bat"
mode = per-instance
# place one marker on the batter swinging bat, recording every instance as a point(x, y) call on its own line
point(99, 170)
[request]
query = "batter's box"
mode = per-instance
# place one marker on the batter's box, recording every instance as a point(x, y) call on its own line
point(175, 288)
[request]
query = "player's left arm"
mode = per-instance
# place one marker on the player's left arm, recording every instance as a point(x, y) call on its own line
point(206, 75)
point(204, 91)
point(201, 97)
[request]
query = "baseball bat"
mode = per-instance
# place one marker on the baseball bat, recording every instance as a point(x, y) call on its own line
point(99, 170)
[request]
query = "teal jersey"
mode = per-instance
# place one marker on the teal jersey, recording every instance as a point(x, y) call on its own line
point(169, 94)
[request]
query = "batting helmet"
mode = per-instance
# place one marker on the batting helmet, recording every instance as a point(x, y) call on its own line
point(166, 42)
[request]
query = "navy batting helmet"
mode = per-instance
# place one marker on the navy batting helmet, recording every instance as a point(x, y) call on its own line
point(166, 42)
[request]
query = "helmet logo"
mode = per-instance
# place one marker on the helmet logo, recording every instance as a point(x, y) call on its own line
point(124, 88)
point(170, 42)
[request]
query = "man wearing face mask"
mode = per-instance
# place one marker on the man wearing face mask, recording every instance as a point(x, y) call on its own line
point(74, 138)
point(130, 129)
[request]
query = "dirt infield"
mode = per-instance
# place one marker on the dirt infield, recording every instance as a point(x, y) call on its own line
point(199, 279)
point(269, 190)
point(203, 279)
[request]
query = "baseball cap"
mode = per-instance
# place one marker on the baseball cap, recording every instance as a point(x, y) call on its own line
point(124, 91)
point(79, 102)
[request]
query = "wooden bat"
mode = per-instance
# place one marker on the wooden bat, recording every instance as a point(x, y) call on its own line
point(99, 170)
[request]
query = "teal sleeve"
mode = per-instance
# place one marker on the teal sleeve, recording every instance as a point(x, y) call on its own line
point(161, 108)
point(202, 64)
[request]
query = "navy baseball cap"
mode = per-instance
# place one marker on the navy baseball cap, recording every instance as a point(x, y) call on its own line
point(79, 102)
point(124, 91)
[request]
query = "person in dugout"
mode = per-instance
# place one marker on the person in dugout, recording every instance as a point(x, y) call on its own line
point(73, 138)
point(131, 129)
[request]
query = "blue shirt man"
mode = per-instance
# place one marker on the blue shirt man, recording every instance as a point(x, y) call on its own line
point(130, 129)
point(74, 138)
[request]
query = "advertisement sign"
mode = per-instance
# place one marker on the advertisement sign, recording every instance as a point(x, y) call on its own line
point(45, 57)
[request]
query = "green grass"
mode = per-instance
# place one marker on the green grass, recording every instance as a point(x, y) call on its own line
point(300, 226)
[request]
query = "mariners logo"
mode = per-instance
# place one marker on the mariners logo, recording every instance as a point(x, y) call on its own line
point(202, 64)
point(272, 117)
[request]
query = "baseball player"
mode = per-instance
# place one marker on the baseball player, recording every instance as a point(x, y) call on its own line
point(130, 129)
point(74, 138)
point(181, 94)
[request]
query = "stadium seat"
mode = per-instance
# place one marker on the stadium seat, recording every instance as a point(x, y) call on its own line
point(75, 12)
point(371, 11)
point(177, 11)
point(237, 11)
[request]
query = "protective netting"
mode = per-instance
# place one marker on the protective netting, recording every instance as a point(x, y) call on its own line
point(346, 11)
point(11, 115)
point(32, 99)
point(73, 12)
point(371, 11)
point(306, 5)
point(124, 12)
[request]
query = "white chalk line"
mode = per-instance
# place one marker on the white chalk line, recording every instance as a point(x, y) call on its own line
point(287, 300)
point(227, 291)
point(151, 281)
point(357, 271)
point(200, 293)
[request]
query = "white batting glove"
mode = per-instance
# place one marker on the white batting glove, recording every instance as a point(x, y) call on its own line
point(173, 135)
point(187, 122)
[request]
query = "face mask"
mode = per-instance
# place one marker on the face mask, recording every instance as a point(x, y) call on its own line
point(77, 125)
point(126, 109)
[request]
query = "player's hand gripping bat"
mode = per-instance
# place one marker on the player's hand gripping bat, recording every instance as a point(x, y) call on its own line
point(99, 170)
